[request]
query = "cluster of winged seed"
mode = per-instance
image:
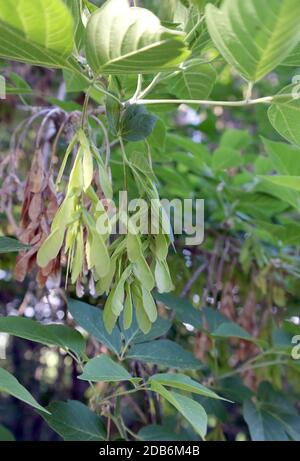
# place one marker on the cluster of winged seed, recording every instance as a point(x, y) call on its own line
point(126, 268)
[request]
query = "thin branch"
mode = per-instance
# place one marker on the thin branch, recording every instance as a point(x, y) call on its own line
point(251, 102)
point(150, 87)
point(85, 108)
point(125, 162)
point(253, 367)
point(130, 432)
point(120, 394)
point(192, 280)
point(138, 87)
point(44, 124)
point(188, 36)
point(250, 364)
point(107, 93)
point(106, 137)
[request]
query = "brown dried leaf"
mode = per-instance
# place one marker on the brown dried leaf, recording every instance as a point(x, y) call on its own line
point(36, 178)
point(35, 207)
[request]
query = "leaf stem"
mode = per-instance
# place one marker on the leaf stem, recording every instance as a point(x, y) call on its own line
point(107, 93)
point(130, 432)
point(138, 88)
point(85, 108)
point(150, 86)
point(251, 366)
point(119, 425)
point(125, 162)
point(244, 102)
point(86, 4)
point(120, 394)
point(248, 92)
point(80, 364)
point(106, 138)
point(188, 36)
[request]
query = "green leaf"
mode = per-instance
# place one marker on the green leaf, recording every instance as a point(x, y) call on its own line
point(10, 385)
point(284, 114)
point(11, 245)
point(165, 353)
point(191, 410)
point(51, 335)
point(184, 383)
point(136, 336)
point(198, 37)
point(20, 85)
point(194, 80)
point(75, 422)
point(289, 234)
point(206, 319)
point(235, 139)
point(293, 59)
point(103, 368)
point(254, 36)
point(113, 114)
point(273, 417)
point(199, 151)
point(189, 314)
point(225, 157)
point(75, 83)
point(232, 330)
point(90, 6)
point(285, 157)
point(157, 433)
point(234, 389)
point(40, 33)
point(184, 310)
point(137, 124)
point(76, 7)
point(157, 138)
point(284, 194)
point(6, 435)
point(91, 319)
point(140, 43)
point(291, 182)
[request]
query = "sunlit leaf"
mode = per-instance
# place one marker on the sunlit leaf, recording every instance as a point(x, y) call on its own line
point(140, 43)
point(37, 32)
point(254, 36)
point(284, 114)
point(194, 80)
point(191, 410)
